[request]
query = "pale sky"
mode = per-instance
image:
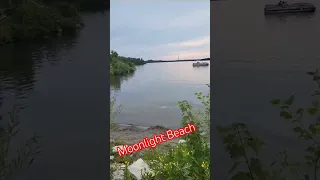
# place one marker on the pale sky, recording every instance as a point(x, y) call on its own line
point(160, 30)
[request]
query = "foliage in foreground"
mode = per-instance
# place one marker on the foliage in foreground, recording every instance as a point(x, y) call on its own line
point(189, 160)
point(12, 163)
point(244, 148)
point(30, 19)
point(120, 65)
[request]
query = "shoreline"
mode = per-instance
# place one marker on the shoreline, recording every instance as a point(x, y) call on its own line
point(132, 134)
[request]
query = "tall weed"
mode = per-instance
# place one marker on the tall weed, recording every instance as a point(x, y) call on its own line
point(24, 157)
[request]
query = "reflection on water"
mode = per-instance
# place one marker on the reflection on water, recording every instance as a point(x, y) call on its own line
point(21, 62)
point(116, 81)
point(20, 67)
point(150, 95)
point(288, 17)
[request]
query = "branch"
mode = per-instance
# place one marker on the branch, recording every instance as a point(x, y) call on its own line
point(245, 155)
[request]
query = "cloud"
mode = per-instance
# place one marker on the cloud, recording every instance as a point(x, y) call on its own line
point(197, 18)
point(160, 15)
point(160, 29)
point(196, 54)
point(189, 49)
point(192, 43)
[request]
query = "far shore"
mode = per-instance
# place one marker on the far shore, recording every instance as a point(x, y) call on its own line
point(163, 61)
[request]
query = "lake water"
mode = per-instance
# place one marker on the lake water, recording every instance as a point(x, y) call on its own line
point(61, 87)
point(255, 59)
point(149, 96)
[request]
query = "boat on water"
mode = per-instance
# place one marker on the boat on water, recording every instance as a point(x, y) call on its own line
point(197, 64)
point(284, 7)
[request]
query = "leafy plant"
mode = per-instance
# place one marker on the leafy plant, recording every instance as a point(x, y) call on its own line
point(189, 160)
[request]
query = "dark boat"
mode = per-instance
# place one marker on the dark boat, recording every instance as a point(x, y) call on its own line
point(197, 64)
point(283, 7)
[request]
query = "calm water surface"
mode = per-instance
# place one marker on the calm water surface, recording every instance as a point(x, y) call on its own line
point(257, 58)
point(150, 95)
point(61, 87)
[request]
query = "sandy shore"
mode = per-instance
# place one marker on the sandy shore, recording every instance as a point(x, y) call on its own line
point(130, 134)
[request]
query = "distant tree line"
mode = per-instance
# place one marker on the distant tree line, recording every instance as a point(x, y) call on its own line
point(136, 61)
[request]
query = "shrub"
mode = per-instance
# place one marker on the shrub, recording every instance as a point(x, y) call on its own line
point(120, 65)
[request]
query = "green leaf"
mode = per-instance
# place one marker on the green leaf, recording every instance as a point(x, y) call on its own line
point(285, 115)
point(236, 151)
point(284, 106)
point(298, 129)
point(312, 128)
point(223, 130)
point(305, 136)
point(256, 144)
point(312, 111)
point(299, 111)
point(230, 138)
point(256, 166)
point(290, 100)
point(311, 149)
point(234, 166)
point(275, 101)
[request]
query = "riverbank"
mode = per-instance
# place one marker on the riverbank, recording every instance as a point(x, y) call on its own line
point(32, 20)
point(130, 134)
point(120, 65)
